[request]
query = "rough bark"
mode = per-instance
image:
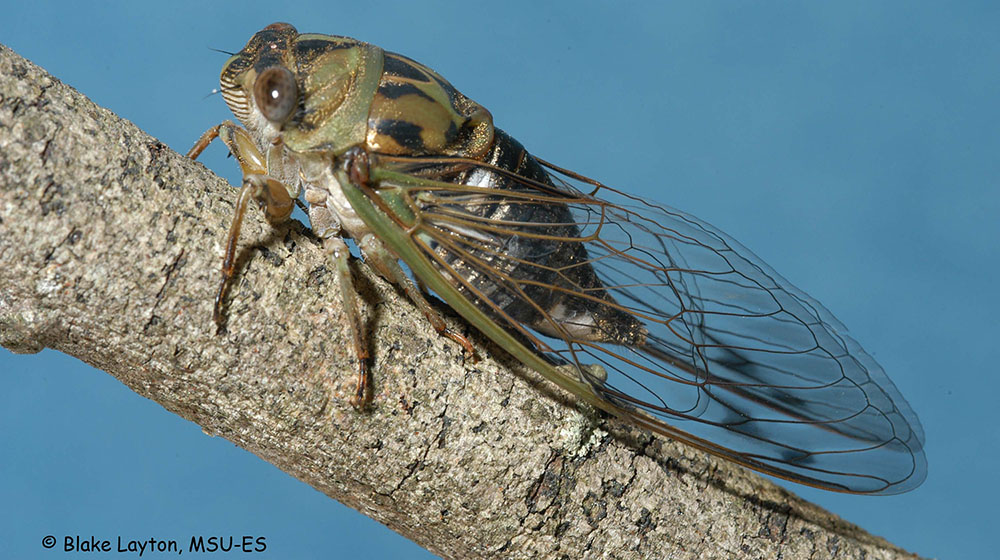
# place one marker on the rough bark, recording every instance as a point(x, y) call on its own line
point(109, 251)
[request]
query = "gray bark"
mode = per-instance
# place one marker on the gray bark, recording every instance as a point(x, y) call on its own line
point(110, 248)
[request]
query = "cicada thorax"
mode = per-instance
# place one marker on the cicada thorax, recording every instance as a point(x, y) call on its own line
point(416, 112)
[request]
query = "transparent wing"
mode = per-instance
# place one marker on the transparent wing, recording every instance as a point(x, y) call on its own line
point(695, 337)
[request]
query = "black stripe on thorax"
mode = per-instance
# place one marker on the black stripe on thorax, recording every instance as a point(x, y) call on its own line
point(402, 67)
point(395, 90)
point(404, 133)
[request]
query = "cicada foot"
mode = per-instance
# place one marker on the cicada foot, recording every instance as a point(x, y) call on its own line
point(271, 196)
point(362, 397)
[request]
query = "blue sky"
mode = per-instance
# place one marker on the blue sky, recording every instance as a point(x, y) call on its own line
point(854, 146)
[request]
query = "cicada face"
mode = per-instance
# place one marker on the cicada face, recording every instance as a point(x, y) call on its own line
point(638, 309)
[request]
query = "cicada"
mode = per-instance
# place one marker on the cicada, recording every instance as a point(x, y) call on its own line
point(640, 310)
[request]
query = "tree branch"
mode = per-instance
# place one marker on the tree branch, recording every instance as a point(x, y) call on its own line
point(109, 251)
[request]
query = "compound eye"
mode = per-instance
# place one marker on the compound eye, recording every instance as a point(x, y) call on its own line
point(275, 94)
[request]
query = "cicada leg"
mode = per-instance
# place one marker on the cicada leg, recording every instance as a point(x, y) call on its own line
point(335, 247)
point(387, 266)
point(270, 194)
point(325, 224)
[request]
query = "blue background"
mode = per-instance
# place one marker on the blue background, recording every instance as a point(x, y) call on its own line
point(852, 145)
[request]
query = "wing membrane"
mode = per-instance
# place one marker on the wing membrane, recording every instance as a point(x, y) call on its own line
point(695, 336)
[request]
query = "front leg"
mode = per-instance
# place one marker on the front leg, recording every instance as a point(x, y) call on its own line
point(271, 195)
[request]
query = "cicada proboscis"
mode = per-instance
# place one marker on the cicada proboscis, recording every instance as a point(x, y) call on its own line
point(638, 309)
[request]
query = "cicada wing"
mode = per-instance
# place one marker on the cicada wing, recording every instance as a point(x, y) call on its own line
point(695, 337)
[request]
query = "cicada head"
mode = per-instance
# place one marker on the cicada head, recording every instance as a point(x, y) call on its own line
point(309, 92)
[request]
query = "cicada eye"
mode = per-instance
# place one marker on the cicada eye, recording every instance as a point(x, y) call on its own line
point(275, 93)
